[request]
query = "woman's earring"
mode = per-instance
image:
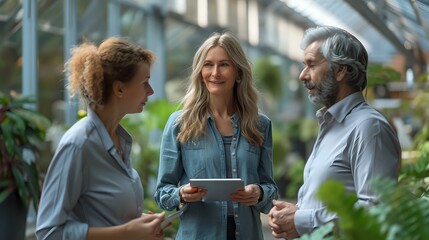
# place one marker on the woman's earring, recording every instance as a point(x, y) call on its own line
point(238, 80)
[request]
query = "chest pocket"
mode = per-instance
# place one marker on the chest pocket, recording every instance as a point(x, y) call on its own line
point(252, 148)
point(194, 158)
point(248, 158)
point(194, 145)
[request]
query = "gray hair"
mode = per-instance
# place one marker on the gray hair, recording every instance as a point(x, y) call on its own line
point(341, 48)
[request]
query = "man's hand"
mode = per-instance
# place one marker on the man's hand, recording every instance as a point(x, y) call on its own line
point(282, 220)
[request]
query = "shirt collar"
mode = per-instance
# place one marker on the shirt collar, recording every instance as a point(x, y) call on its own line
point(101, 129)
point(234, 118)
point(341, 109)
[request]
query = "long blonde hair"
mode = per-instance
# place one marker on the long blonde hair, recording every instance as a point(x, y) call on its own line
point(193, 119)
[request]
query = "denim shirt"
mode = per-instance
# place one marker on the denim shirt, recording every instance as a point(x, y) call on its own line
point(205, 158)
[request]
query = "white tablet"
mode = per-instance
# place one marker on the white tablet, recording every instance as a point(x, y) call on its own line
point(218, 189)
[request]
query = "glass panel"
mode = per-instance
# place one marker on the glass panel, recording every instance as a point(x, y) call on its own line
point(51, 56)
point(10, 46)
point(133, 24)
point(212, 12)
point(182, 41)
point(92, 20)
point(233, 16)
point(51, 17)
point(191, 11)
point(7, 8)
point(51, 76)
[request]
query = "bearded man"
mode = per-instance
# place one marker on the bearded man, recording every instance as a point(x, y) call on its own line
point(355, 143)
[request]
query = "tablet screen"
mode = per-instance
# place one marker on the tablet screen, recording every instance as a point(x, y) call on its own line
point(218, 189)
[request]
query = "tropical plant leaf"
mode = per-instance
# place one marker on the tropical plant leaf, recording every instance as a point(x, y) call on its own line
point(18, 122)
point(4, 100)
point(21, 186)
point(402, 215)
point(268, 76)
point(161, 109)
point(33, 183)
point(9, 141)
point(21, 128)
point(382, 74)
point(5, 183)
point(33, 119)
point(343, 203)
point(21, 101)
point(5, 193)
point(324, 232)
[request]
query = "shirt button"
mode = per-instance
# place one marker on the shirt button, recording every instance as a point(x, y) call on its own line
point(234, 170)
point(237, 233)
point(236, 215)
point(233, 154)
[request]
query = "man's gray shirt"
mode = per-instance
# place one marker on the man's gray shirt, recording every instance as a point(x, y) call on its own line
point(355, 145)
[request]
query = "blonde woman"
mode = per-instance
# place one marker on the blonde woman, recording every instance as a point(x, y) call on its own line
point(218, 134)
point(91, 191)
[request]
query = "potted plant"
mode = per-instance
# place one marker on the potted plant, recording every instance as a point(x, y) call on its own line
point(21, 130)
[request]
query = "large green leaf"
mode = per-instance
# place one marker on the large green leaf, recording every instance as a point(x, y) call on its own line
point(21, 186)
point(5, 193)
point(354, 222)
point(159, 111)
point(8, 137)
point(5, 183)
point(268, 76)
point(18, 122)
point(21, 127)
point(381, 74)
point(402, 215)
point(324, 232)
point(4, 100)
point(33, 119)
point(33, 183)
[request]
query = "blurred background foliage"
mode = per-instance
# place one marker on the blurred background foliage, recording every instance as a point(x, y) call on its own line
point(146, 129)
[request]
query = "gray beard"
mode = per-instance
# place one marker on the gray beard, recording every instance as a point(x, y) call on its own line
point(326, 91)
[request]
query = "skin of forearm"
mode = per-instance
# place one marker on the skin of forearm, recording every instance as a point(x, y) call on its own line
point(107, 233)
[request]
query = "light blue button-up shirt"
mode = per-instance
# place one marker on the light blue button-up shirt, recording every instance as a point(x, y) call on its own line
point(355, 145)
point(88, 184)
point(205, 158)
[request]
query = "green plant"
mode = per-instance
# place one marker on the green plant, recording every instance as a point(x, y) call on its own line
point(401, 213)
point(379, 74)
point(295, 174)
point(146, 129)
point(398, 215)
point(21, 130)
point(268, 76)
